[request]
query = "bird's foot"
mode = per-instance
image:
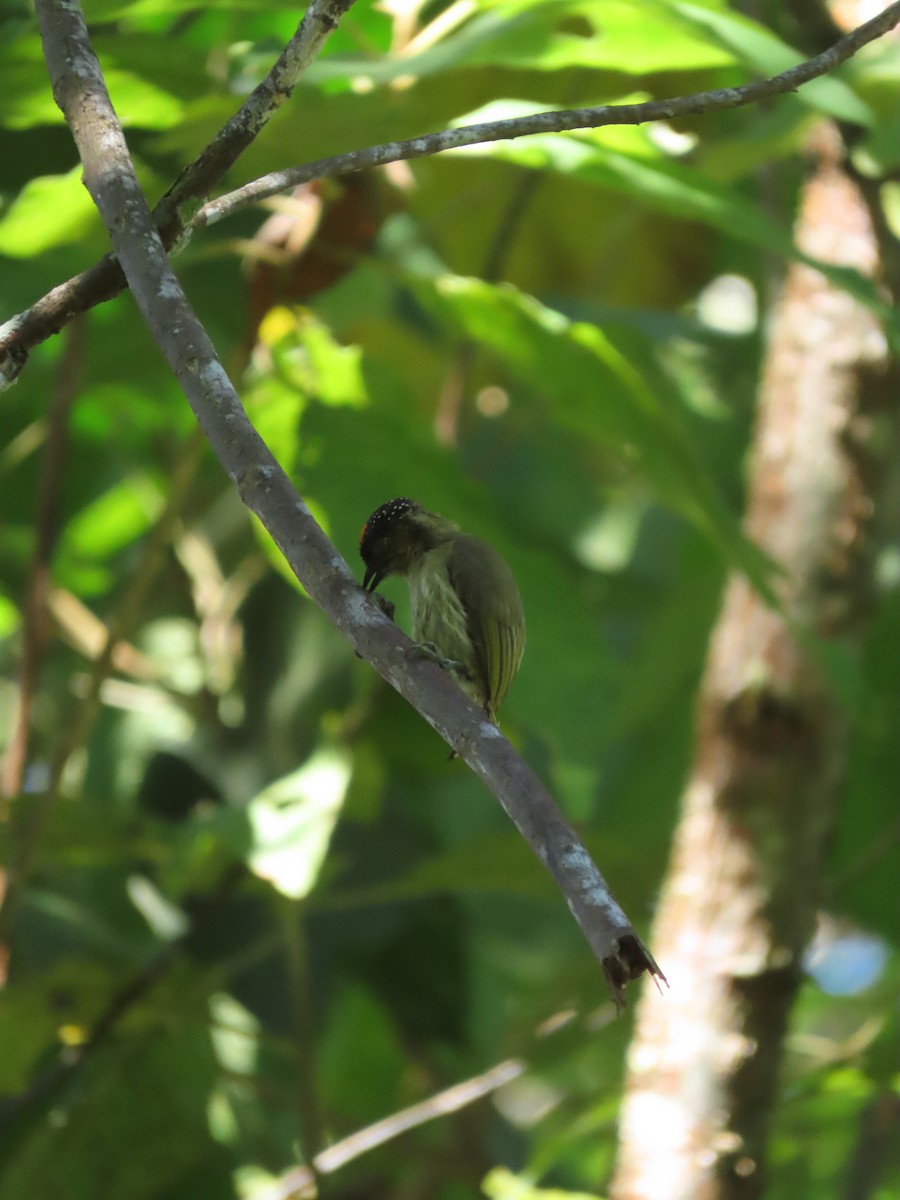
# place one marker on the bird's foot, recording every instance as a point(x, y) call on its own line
point(430, 650)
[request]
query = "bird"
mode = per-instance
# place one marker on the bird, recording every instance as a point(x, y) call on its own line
point(467, 613)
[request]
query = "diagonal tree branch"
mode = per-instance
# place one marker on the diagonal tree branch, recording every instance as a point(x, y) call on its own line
point(99, 283)
point(109, 175)
point(105, 279)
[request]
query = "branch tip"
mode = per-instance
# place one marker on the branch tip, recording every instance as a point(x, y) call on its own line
point(630, 961)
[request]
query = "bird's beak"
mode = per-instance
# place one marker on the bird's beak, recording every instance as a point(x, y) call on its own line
point(372, 578)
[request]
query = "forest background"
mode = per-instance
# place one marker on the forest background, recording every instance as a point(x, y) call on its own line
point(251, 908)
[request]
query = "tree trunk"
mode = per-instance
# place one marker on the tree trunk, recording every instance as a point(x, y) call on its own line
point(741, 895)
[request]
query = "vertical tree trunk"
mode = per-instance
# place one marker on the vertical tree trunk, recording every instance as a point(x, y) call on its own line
point(741, 894)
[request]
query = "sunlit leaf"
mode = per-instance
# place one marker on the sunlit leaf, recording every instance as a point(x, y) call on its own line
point(500, 1184)
point(291, 823)
point(115, 519)
point(760, 49)
point(649, 178)
point(9, 616)
point(51, 210)
point(616, 35)
point(26, 99)
point(600, 395)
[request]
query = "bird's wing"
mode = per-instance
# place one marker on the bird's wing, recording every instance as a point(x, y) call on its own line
point(494, 614)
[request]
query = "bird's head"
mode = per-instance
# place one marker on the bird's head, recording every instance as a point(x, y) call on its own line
point(396, 536)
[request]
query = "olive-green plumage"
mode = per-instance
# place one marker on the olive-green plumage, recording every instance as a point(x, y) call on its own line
point(463, 596)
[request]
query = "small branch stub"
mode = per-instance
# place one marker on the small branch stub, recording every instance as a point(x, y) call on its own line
point(631, 960)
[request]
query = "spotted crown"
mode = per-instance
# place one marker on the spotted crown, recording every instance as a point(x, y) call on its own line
point(382, 518)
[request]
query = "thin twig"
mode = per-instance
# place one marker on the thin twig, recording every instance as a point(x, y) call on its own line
point(78, 728)
point(26, 330)
point(508, 226)
point(110, 177)
point(462, 369)
point(123, 1000)
point(35, 608)
point(302, 1181)
point(105, 280)
point(311, 1129)
point(36, 605)
point(564, 120)
point(196, 182)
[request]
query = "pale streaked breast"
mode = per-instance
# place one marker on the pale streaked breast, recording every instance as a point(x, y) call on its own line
point(439, 617)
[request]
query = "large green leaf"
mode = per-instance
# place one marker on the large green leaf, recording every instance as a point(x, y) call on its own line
point(292, 820)
point(114, 520)
point(767, 55)
point(615, 35)
point(599, 394)
point(500, 1184)
point(51, 210)
point(626, 160)
point(80, 1149)
point(26, 99)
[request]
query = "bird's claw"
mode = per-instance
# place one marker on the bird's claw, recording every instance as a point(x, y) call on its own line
point(429, 650)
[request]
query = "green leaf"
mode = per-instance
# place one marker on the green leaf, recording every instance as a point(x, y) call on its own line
point(9, 616)
point(617, 35)
point(360, 1061)
point(26, 99)
point(51, 210)
point(163, 1124)
point(626, 160)
point(600, 395)
point(500, 1184)
point(292, 820)
point(114, 520)
point(768, 55)
point(143, 10)
point(310, 362)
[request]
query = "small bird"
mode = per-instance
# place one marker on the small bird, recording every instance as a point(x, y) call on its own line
point(466, 610)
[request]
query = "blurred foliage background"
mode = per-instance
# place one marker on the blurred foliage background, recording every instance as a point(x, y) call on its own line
point(262, 909)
